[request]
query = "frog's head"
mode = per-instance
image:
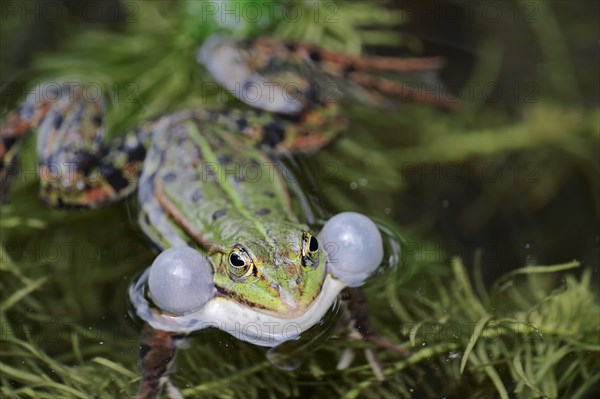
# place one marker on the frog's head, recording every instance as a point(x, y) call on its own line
point(281, 277)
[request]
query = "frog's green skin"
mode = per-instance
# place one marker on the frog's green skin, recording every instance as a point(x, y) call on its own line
point(181, 202)
point(202, 187)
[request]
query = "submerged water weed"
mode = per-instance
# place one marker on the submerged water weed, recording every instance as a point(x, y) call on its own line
point(526, 336)
point(515, 339)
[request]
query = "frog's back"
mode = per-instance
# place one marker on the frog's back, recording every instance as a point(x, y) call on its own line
point(201, 184)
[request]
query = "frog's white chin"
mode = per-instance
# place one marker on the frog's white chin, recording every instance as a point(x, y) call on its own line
point(247, 325)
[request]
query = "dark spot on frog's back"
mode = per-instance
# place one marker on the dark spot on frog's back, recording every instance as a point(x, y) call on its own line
point(170, 177)
point(97, 119)
point(114, 177)
point(58, 120)
point(136, 154)
point(242, 123)
point(269, 194)
point(291, 46)
point(274, 134)
point(223, 159)
point(349, 69)
point(315, 55)
point(85, 160)
point(196, 196)
point(263, 211)
point(219, 214)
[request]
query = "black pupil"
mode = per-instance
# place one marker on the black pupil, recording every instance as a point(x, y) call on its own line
point(236, 260)
point(313, 244)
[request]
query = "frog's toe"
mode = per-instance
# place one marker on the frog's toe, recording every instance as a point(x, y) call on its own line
point(375, 364)
point(172, 391)
point(384, 343)
point(346, 359)
point(356, 247)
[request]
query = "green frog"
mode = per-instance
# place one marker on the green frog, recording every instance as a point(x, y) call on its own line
point(212, 196)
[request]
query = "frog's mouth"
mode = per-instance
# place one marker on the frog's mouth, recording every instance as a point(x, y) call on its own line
point(264, 327)
point(288, 306)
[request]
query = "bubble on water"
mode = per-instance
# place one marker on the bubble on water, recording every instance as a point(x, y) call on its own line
point(278, 358)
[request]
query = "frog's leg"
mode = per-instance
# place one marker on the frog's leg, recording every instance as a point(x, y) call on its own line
point(293, 78)
point(362, 328)
point(75, 168)
point(353, 69)
point(17, 124)
point(157, 356)
point(304, 89)
point(357, 305)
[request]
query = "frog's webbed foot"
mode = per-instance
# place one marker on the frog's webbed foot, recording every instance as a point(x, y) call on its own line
point(157, 356)
point(354, 69)
point(362, 329)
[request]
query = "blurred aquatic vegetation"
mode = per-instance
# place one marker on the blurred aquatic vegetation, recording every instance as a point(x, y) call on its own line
point(533, 334)
point(515, 165)
point(65, 331)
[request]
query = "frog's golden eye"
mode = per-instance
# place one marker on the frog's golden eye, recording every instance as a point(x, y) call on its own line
point(240, 265)
point(310, 251)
